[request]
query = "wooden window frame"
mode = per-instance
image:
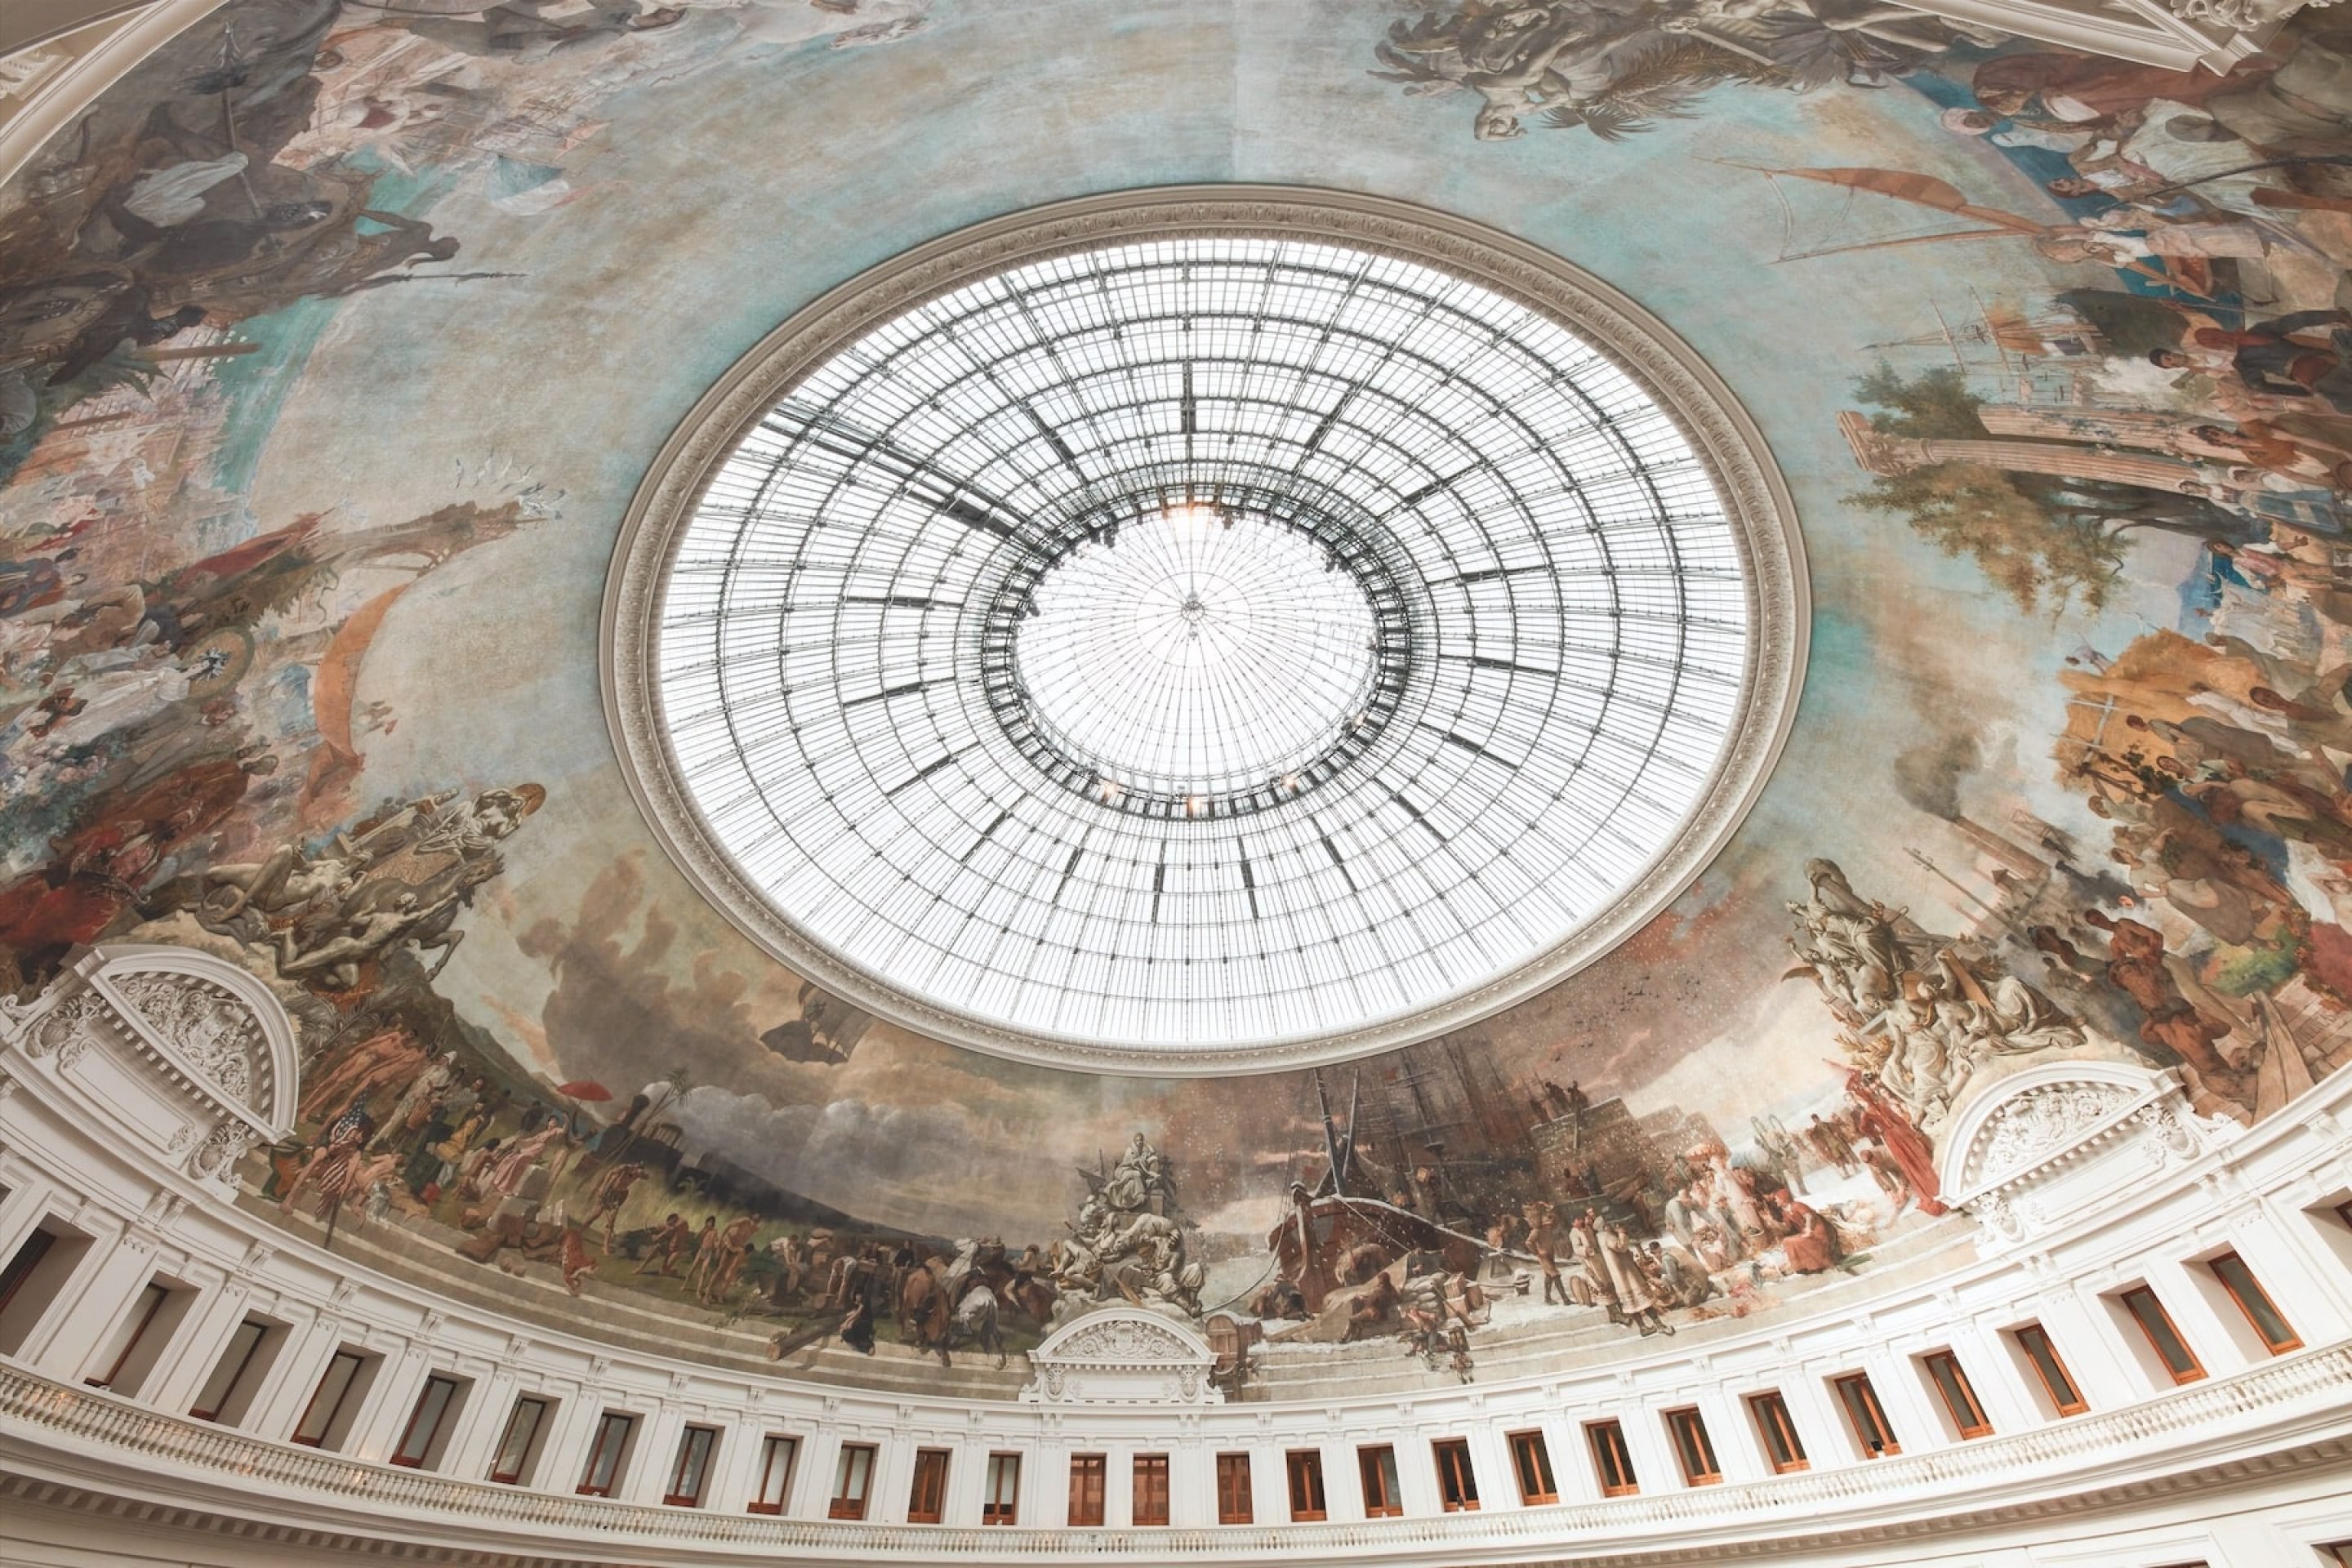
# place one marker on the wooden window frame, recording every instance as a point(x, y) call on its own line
point(995, 1508)
point(1089, 1490)
point(1457, 1478)
point(1236, 1499)
point(1377, 1480)
point(1532, 1463)
point(31, 1253)
point(2131, 1300)
point(1148, 1503)
point(608, 1452)
point(2028, 1337)
point(1951, 1380)
point(2238, 1291)
point(927, 1488)
point(357, 1361)
point(153, 1296)
point(235, 1380)
point(1302, 1469)
point(1612, 1459)
point(1776, 1427)
point(771, 1443)
point(408, 1454)
point(843, 1505)
point(679, 1494)
point(1858, 1397)
point(1693, 1449)
point(539, 1405)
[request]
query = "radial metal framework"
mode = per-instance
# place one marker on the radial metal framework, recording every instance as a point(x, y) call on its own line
point(1182, 647)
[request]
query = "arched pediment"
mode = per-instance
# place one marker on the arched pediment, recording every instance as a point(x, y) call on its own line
point(217, 1018)
point(2052, 1141)
point(170, 1046)
point(2028, 1117)
point(1122, 1355)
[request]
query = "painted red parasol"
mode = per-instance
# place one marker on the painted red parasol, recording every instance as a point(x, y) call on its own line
point(587, 1089)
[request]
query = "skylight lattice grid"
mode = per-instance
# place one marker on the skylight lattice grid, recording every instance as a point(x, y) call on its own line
point(897, 697)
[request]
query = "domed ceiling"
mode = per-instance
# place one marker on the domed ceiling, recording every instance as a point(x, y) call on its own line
point(337, 339)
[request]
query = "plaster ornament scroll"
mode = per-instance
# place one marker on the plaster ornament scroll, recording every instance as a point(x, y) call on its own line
point(2007, 1221)
point(2183, 1135)
point(215, 1158)
point(216, 1032)
point(64, 1028)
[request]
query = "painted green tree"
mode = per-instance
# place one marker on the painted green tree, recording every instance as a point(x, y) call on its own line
point(2045, 540)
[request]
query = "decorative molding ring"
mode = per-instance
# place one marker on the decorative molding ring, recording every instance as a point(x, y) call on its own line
point(1754, 497)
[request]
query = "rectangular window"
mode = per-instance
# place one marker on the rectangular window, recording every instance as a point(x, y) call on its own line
point(2156, 1323)
point(1611, 1460)
point(1234, 1505)
point(768, 1489)
point(21, 1267)
point(518, 1443)
point(602, 1473)
point(1531, 1464)
point(2269, 1326)
point(693, 1467)
point(2338, 1551)
point(2056, 1382)
point(1305, 1469)
point(1457, 1483)
point(1377, 1468)
point(135, 1324)
point(1150, 1498)
point(852, 1477)
point(34, 1276)
point(1000, 1501)
point(1866, 1415)
point(1688, 1431)
point(1959, 1395)
point(926, 1498)
point(420, 1441)
point(1783, 1449)
point(1087, 1477)
point(235, 1374)
point(322, 1416)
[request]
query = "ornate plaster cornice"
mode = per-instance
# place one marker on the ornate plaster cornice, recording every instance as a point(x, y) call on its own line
point(1755, 498)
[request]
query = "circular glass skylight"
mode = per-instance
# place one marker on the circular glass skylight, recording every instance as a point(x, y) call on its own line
point(1198, 647)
